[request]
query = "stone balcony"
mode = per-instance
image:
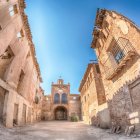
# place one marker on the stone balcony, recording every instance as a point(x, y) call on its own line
point(118, 59)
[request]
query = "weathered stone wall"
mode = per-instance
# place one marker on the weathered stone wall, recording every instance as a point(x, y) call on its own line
point(47, 108)
point(120, 97)
point(74, 105)
point(88, 98)
point(93, 96)
point(21, 96)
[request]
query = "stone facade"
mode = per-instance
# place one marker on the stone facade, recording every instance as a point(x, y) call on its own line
point(61, 105)
point(109, 90)
point(116, 42)
point(93, 99)
point(20, 92)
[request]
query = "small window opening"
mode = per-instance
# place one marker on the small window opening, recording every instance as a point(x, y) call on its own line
point(97, 68)
point(20, 34)
point(13, 10)
point(0, 28)
point(8, 54)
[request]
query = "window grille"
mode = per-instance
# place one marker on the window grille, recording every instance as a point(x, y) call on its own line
point(119, 53)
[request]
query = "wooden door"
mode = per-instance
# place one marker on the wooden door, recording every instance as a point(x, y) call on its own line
point(15, 120)
point(24, 114)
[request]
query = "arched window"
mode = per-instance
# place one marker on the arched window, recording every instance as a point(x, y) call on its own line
point(56, 98)
point(64, 98)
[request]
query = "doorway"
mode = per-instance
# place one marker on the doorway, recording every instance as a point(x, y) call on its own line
point(15, 119)
point(60, 113)
point(2, 99)
point(24, 114)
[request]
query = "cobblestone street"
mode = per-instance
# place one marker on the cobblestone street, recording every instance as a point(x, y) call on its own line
point(55, 130)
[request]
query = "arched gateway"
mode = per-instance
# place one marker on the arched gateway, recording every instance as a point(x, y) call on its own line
point(60, 113)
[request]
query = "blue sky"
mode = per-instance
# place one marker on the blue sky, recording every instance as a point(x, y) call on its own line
point(62, 34)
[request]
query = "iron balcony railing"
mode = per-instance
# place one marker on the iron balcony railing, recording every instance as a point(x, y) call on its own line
point(118, 54)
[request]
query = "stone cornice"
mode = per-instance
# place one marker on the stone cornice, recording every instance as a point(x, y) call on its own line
point(99, 20)
point(98, 26)
point(78, 95)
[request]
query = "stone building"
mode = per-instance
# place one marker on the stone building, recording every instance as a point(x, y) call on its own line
point(20, 92)
point(116, 42)
point(61, 105)
point(93, 101)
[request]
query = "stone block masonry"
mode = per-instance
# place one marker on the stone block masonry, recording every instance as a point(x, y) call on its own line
point(19, 71)
point(116, 43)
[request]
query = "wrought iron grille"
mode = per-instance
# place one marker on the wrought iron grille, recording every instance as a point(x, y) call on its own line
point(119, 53)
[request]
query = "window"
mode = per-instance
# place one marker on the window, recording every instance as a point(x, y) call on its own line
point(118, 49)
point(5, 60)
point(29, 54)
point(0, 28)
point(64, 98)
point(85, 98)
point(8, 54)
point(20, 34)
point(74, 98)
point(119, 52)
point(22, 74)
point(119, 55)
point(97, 68)
point(20, 83)
point(56, 98)
point(13, 10)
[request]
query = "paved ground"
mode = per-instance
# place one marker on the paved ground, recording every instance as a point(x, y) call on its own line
point(59, 130)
